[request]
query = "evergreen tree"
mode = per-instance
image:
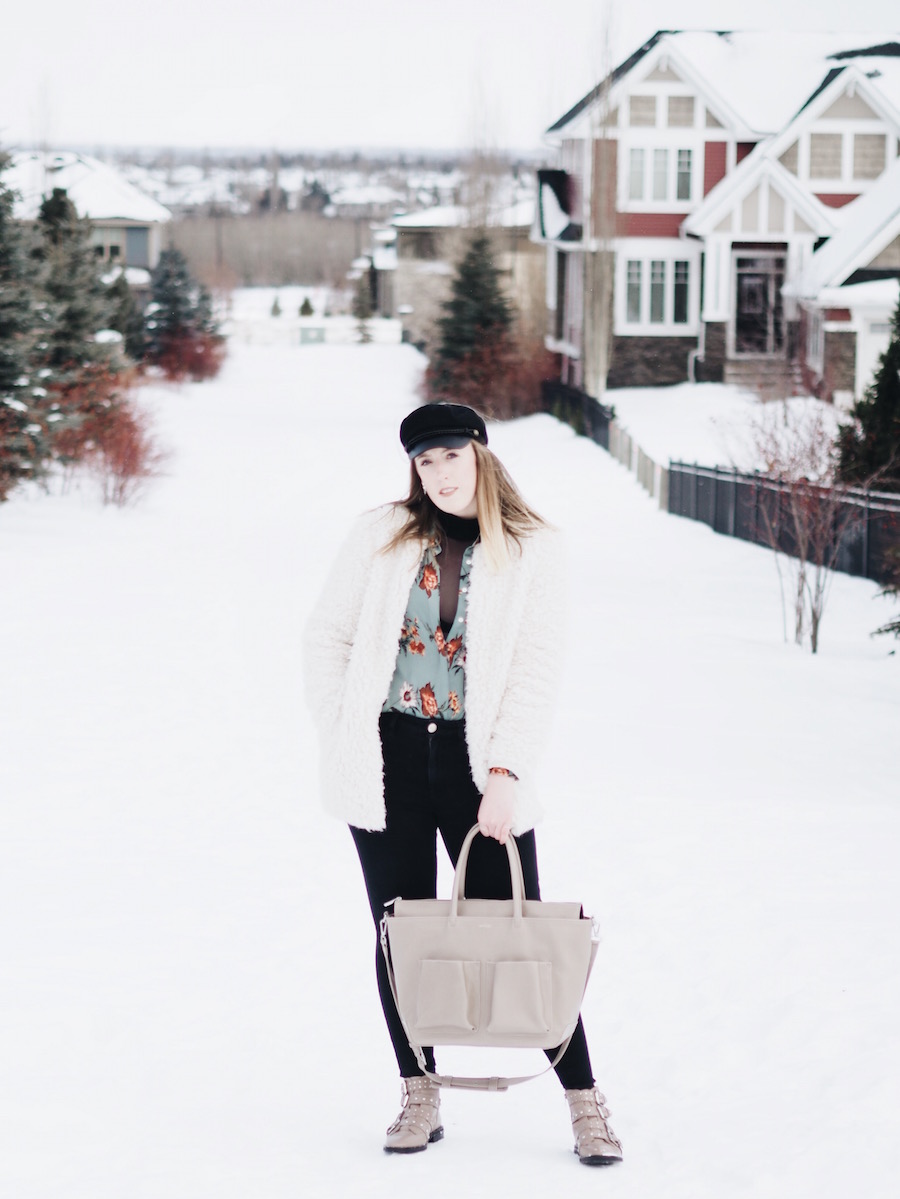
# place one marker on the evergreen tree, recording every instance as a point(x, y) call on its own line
point(173, 311)
point(182, 333)
point(477, 319)
point(126, 318)
point(870, 447)
point(23, 429)
point(75, 300)
point(892, 588)
point(306, 308)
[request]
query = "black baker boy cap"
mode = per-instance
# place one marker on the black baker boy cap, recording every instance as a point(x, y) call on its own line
point(450, 425)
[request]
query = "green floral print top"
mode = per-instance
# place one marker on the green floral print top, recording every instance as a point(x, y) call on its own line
point(429, 679)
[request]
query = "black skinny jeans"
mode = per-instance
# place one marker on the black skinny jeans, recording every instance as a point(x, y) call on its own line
point(429, 789)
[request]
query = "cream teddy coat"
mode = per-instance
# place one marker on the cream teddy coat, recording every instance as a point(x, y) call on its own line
point(514, 630)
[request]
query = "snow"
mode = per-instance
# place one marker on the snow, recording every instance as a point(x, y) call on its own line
point(870, 223)
point(881, 294)
point(97, 190)
point(188, 1001)
point(728, 69)
point(712, 424)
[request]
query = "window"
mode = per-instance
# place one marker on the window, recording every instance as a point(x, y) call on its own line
point(657, 292)
point(642, 110)
point(869, 155)
point(633, 293)
point(681, 111)
point(680, 311)
point(636, 175)
point(660, 176)
point(825, 151)
point(683, 181)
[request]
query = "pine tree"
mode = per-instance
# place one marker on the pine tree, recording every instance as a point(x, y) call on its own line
point(182, 333)
point(306, 308)
point(477, 319)
point(173, 310)
point(869, 449)
point(76, 301)
point(126, 318)
point(23, 429)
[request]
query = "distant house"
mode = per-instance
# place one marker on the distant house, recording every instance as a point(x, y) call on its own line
point(126, 224)
point(728, 183)
point(429, 244)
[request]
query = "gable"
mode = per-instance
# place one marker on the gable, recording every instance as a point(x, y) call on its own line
point(888, 259)
point(850, 106)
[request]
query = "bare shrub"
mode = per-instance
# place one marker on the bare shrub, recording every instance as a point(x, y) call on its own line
point(190, 354)
point(124, 454)
point(804, 513)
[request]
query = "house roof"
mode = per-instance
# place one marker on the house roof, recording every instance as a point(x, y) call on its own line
point(748, 175)
point(728, 67)
point(456, 216)
point(97, 190)
point(870, 223)
point(877, 295)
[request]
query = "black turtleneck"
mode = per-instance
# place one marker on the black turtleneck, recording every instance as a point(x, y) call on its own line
point(456, 534)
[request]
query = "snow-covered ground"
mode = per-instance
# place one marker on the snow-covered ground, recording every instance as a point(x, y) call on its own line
point(188, 1008)
point(712, 423)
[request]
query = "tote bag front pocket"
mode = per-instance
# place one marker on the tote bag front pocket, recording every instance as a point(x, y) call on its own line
point(449, 995)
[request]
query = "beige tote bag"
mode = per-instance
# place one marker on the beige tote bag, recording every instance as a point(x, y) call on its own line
point(508, 972)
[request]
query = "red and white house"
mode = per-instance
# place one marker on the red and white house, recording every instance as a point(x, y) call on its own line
point(712, 174)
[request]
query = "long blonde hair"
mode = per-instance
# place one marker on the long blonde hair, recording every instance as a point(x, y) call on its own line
point(504, 519)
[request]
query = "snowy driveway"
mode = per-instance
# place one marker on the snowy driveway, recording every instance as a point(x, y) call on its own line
point(186, 994)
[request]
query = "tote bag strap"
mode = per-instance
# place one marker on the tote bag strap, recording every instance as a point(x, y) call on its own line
point(487, 1082)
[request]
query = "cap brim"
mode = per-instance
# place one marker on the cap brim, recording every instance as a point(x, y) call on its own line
point(445, 441)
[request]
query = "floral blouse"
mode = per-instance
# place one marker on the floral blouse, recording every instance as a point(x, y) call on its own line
point(429, 679)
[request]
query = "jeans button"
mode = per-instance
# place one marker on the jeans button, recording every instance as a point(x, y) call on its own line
point(432, 727)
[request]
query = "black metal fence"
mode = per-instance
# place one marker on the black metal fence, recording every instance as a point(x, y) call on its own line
point(586, 415)
point(864, 525)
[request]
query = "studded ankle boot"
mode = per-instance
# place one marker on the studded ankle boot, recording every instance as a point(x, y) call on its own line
point(595, 1142)
point(419, 1122)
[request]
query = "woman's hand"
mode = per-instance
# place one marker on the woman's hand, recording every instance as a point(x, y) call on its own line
point(497, 807)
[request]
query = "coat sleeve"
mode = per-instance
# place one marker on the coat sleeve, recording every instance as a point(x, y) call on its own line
point(532, 683)
point(331, 628)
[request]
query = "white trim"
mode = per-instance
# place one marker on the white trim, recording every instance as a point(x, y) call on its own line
point(647, 250)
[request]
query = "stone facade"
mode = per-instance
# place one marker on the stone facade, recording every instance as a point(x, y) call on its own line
point(840, 364)
point(711, 367)
point(649, 361)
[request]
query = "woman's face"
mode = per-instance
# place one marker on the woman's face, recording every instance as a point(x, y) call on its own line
point(449, 477)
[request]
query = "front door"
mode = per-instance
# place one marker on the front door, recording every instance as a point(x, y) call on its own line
point(759, 315)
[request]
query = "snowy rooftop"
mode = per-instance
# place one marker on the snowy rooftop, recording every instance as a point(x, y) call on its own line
point(97, 190)
point(730, 67)
point(869, 224)
point(454, 216)
point(876, 294)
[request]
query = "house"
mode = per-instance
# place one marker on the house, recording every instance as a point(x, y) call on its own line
point(126, 224)
point(697, 185)
point(429, 244)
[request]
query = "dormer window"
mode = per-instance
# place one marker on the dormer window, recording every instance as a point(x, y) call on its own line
point(825, 153)
point(642, 110)
point(869, 155)
point(681, 112)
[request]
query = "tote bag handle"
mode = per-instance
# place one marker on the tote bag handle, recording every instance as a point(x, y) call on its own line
point(515, 869)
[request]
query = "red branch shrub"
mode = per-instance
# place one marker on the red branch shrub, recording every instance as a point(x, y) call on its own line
point(190, 354)
point(502, 379)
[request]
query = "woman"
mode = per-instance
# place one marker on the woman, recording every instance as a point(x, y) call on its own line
point(430, 665)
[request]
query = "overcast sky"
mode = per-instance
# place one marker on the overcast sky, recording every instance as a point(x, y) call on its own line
point(339, 73)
